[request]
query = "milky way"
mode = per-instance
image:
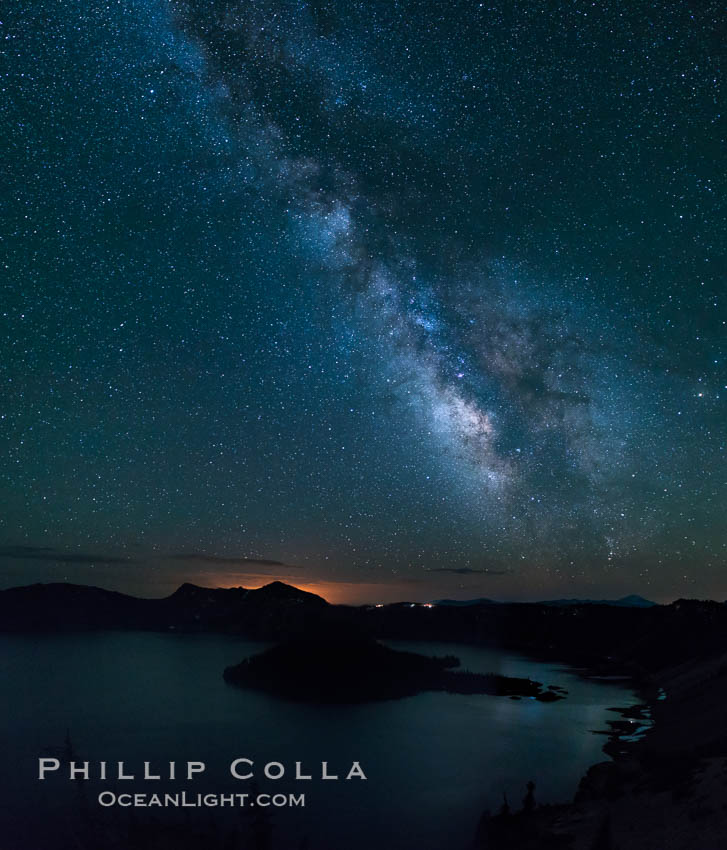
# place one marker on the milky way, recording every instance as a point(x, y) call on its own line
point(382, 290)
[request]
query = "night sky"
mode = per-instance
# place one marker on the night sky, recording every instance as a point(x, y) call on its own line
point(390, 300)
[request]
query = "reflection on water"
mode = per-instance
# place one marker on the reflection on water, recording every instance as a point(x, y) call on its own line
point(433, 761)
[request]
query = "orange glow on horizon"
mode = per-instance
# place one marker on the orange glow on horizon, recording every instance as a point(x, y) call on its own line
point(335, 592)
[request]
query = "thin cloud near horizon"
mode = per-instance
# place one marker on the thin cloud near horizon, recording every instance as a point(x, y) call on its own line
point(468, 571)
point(51, 554)
point(230, 560)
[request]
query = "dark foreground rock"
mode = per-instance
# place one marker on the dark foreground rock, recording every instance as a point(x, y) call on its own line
point(360, 670)
point(664, 790)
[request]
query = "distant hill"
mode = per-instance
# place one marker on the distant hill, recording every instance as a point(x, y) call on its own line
point(631, 601)
point(270, 612)
point(465, 603)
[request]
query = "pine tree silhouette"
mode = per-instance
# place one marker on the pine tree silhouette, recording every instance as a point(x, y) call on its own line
point(505, 808)
point(529, 799)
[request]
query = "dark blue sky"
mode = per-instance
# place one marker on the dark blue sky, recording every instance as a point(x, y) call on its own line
point(413, 299)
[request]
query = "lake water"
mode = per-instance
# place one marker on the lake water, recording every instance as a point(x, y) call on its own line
point(433, 762)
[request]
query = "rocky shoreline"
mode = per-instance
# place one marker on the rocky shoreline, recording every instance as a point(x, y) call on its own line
point(660, 791)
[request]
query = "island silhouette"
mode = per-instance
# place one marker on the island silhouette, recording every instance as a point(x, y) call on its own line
point(352, 669)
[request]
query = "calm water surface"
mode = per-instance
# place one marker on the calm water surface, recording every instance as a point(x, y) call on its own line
point(433, 761)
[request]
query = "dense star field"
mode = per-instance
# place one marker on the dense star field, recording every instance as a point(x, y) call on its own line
point(390, 299)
